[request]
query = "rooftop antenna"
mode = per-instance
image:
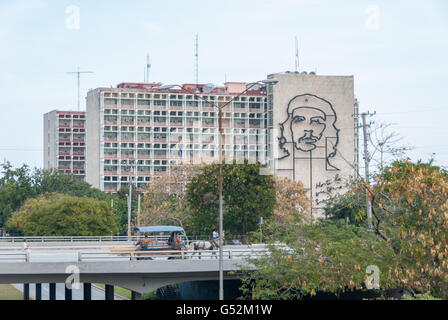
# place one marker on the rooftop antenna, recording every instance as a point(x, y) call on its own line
point(79, 92)
point(148, 67)
point(196, 55)
point(296, 69)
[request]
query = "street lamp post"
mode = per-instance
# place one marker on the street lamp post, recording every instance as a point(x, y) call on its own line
point(271, 81)
point(131, 162)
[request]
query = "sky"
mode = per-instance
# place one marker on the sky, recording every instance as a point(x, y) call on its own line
point(396, 50)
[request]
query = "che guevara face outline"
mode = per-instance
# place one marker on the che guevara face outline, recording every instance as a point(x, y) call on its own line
point(307, 127)
point(314, 125)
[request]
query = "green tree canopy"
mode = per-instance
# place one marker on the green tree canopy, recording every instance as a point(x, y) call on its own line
point(247, 195)
point(61, 215)
point(408, 242)
point(19, 184)
point(328, 256)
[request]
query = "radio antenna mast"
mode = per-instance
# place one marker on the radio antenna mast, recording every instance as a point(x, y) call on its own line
point(148, 67)
point(79, 83)
point(196, 55)
point(297, 55)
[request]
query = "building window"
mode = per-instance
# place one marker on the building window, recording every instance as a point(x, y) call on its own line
point(110, 101)
point(143, 102)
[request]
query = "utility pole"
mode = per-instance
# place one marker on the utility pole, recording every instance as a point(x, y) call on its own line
point(366, 165)
point(130, 198)
point(79, 83)
point(138, 210)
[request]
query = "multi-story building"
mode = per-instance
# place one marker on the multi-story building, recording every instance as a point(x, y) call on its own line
point(138, 130)
point(303, 127)
point(64, 142)
point(313, 135)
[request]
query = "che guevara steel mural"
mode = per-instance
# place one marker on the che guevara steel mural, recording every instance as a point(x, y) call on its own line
point(308, 143)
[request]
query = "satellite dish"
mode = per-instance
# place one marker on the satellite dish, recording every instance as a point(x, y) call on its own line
point(208, 88)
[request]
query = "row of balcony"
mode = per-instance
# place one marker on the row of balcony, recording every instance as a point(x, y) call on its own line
point(79, 169)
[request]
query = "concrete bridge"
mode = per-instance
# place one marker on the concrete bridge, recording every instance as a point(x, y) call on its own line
point(98, 264)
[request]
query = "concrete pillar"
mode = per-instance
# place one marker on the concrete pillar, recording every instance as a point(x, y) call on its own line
point(109, 292)
point(26, 291)
point(136, 296)
point(38, 291)
point(52, 291)
point(87, 291)
point(68, 294)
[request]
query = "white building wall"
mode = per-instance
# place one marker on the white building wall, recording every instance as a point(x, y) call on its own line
point(313, 134)
point(93, 143)
point(50, 143)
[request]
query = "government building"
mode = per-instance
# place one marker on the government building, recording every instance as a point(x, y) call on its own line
point(302, 126)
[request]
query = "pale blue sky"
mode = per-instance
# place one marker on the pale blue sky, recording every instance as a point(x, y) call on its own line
point(398, 57)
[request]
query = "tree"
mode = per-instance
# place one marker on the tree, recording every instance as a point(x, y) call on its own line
point(408, 243)
point(292, 202)
point(164, 200)
point(349, 207)
point(324, 257)
point(247, 195)
point(61, 215)
point(18, 185)
point(411, 214)
point(384, 145)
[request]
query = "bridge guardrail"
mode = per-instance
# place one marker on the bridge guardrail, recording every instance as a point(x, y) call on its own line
point(99, 238)
point(174, 254)
point(21, 256)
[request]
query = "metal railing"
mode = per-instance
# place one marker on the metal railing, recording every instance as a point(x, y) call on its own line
point(105, 238)
point(70, 239)
point(21, 257)
point(173, 254)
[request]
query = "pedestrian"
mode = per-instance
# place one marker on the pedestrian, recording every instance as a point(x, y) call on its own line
point(223, 236)
point(26, 246)
point(215, 236)
point(145, 242)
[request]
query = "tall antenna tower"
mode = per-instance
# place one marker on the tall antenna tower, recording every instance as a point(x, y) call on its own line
point(196, 55)
point(79, 83)
point(296, 67)
point(148, 67)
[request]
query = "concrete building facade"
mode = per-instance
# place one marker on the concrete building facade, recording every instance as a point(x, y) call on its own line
point(137, 131)
point(312, 132)
point(303, 127)
point(64, 142)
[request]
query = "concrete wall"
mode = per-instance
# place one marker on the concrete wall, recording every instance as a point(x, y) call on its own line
point(313, 134)
point(93, 138)
point(50, 146)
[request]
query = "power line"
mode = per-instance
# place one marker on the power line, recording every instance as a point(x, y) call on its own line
point(6, 148)
point(410, 111)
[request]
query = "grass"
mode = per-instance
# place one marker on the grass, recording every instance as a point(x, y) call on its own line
point(8, 292)
point(125, 293)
